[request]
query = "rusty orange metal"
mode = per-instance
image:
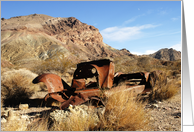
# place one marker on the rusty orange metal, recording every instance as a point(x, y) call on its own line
point(53, 82)
point(103, 70)
point(78, 84)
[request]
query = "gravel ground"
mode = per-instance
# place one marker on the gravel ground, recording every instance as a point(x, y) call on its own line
point(166, 115)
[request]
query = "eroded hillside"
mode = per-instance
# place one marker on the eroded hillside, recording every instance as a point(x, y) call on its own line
point(25, 39)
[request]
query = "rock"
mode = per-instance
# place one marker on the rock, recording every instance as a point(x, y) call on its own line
point(3, 120)
point(154, 106)
point(25, 117)
point(11, 115)
point(167, 55)
point(52, 37)
point(59, 115)
point(23, 106)
point(81, 111)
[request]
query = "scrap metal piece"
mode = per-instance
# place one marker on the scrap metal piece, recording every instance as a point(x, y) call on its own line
point(103, 70)
point(53, 82)
point(78, 84)
point(125, 77)
point(81, 97)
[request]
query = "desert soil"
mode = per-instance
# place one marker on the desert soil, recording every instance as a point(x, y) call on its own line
point(165, 115)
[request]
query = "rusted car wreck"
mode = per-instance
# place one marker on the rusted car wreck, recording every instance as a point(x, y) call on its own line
point(103, 72)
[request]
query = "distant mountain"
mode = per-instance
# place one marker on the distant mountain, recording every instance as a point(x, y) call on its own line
point(33, 39)
point(36, 37)
point(167, 54)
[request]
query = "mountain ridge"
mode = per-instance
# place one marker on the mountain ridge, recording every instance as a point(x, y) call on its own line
point(38, 37)
point(167, 54)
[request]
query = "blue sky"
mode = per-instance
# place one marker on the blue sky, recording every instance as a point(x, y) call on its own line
point(142, 27)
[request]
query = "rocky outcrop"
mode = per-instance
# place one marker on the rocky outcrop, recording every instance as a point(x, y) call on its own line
point(25, 39)
point(167, 54)
point(82, 112)
point(28, 116)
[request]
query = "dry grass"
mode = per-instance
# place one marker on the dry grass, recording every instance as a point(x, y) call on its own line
point(59, 64)
point(16, 85)
point(163, 92)
point(40, 124)
point(123, 112)
point(74, 123)
point(15, 125)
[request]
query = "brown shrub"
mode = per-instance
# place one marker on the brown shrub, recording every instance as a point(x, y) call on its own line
point(74, 123)
point(16, 86)
point(164, 91)
point(53, 64)
point(123, 112)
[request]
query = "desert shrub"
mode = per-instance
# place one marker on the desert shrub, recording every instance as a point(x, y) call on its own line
point(17, 86)
point(163, 91)
point(41, 124)
point(74, 123)
point(15, 125)
point(123, 112)
point(57, 64)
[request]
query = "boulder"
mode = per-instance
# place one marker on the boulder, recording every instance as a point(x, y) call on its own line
point(23, 106)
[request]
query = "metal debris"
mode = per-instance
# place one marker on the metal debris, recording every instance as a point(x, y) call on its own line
point(103, 71)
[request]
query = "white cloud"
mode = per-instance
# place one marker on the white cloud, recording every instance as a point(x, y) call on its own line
point(175, 18)
point(149, 52)
point(130, 20)
point(133, 19)
point(163, 12)
point(124, 33)
point(145, 53)
point(177, 47)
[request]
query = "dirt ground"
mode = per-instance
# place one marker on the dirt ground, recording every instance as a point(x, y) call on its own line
point(166, 115)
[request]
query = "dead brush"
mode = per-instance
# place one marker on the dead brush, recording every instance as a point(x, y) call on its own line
point(14, 125)
point(39, 124)
point(74, 123)
point(163, 91)
point(16, 86)
point(123, 112)
point(53, 64)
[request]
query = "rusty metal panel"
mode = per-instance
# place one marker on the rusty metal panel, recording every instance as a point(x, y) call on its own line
point(78, 84)
point(52, 81)
point(117, 74)
point(103, 70)
point(125, 77)
point(80, 97)
point(56, 97)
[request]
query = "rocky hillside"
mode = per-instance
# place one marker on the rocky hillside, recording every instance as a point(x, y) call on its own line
point(167, 54)
point(25, 39)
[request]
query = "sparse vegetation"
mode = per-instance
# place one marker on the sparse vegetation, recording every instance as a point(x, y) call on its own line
point(163, 92)
point(123, 112)
point(16, 85)
point(56, 48)
point(56, 64)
